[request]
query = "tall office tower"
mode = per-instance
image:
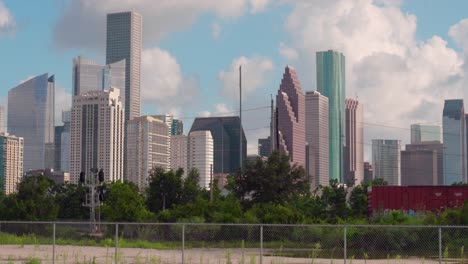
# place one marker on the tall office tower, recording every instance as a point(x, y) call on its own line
point(65, 142)
point(58, 146)
point(466, 149)
point(331, 83)
point(454, 142)
point(201, 155)
point(31, 116)
point(419, 167)
point(96, 132)
point(354, 149)
point(264, 147)
point(11, 167)
point(316, 121)
point(425, 133)
point(2, 119)
point(179, 158)
point(436, 147)
point(147, 147)
point(368, 173)
point(290, 112)
point(226, 138)
point(123, 41)
point(88, 75)
point(386, 157)
point(177, 127)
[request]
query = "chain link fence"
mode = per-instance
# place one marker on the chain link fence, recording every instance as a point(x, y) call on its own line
point(80, 242)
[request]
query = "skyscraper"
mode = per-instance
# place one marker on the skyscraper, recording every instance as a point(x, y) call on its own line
point(97, 128)
point(179, 154)
point(264, 147)
point(2, 119)
point(316, 116)
point(354, 150)
point(386, 157)
point(331, 83)
point(436, 147)
point(419, 167)
point(123, 41)
point(58, 146)
point(290, 113)
point(11, 167)
point(148, 147)
point(425, 133)
point(31, 116)
point(455, 160)
point(201, 155)
point(177, 127)
point(225, 133)
point(88, 75)
point(65, 142)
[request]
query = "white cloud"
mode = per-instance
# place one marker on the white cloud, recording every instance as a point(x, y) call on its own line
point(63, 101)
point(215, 31)
point(222, 108)
point(82, 23)
point(163, 85)
point(254, 71)
point(7, 21)
point(287, 52)
point(204, 114)
point(459, 33)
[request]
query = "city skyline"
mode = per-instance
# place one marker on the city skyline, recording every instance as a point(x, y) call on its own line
point(259, 59)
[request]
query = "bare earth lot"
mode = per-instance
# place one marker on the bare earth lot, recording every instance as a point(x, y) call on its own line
point(83, 254)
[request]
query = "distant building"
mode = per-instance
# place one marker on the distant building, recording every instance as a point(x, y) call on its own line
point(316, 115)
point(97, 128)
point(148, 146)
point(290, 114)
point(201, 148)
point(226, 138)
point(11, 167)
point(59, 177)
point(425, 133)
point(354, 150)
point(2, 119)
point(31, 116)
point(179, 148)
point(65, 142)
point(264, 147)
point(418, 167)
point(438, 148)
point(331, 83)
point(386, 157)
point(177, 127)
point(368, 173)
point(455, 152)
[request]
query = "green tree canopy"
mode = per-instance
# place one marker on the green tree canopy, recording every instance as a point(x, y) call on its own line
point(164, 190)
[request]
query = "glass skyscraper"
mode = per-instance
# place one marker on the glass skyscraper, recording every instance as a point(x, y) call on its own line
point(331, 83)
point(386, 160)
point(455, 162)
point(31, 116)
point(425, 133)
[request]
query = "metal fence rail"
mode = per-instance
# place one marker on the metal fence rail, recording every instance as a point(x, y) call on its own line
point(73, 242)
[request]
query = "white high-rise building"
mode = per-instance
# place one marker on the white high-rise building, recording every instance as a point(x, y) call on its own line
point(201, 155)
point(354, 150)
point(96, 132)
point(179, 147)
point(317, 137)
point(386, 160)
point(147, 148)
point(11, 167)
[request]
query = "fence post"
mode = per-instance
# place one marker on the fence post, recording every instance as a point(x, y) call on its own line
point(183, 243)
point(53, 245)
point(261, 244)
point(116, 241)
point(345, 246)
point(440, 245)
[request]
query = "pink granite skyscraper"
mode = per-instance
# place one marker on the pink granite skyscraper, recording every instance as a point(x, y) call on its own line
point(290, 115)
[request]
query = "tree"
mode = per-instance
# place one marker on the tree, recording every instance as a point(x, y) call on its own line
point(124, 203)
point(273, 180)
point(358, 202)
point(190, 188)
point(70, 199)
point(335, 198)
point(164, 190)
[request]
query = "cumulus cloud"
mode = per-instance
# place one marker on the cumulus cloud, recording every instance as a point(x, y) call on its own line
point(7, 21)
point(82, 23)
point(215, 31)
point(163, 85)
point(63, 101)
point(287, 52)
point(254, 73)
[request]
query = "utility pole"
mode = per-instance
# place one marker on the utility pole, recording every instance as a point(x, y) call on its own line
point(92, 199)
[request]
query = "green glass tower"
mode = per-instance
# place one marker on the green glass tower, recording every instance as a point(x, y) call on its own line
point(331, 83)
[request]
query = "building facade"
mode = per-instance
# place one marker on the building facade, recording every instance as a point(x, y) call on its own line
point(11, 162)
point(177, 127)
point(65, 142)
point(226, 138)
point(290, 117)
point(148, 146)
point(31, 116)
point(2, 119)
point(96, 133)
point(179, 148)
point(331, 83)
point(386, 160)
point(316, 115)
point(264, 147)
point(368, 172)
point(425, 133)
point(201, 155)
point(419, 167)
point(354, 150)
point(455, 153)
point(436, 147)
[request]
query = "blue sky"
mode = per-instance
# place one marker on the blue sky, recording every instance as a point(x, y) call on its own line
point(35, 45)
